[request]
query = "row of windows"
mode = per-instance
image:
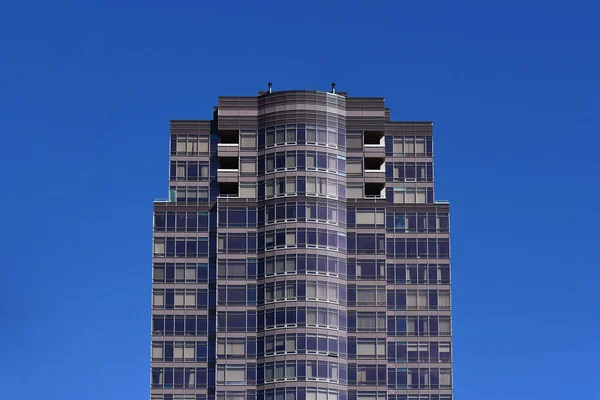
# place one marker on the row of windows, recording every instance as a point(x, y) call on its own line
point(232, 217)
point(357, 374)
point(181, 247)
point(302, 393)
point(252, 374)
point(236, 217)
point(306, 186)
point(191, 194)
point(418, 248)
point(400, 378)
point(300, 134)
point(293, 264)
point(301, 263)
point(180, 298)
point(234, 295)
point(417, 222)
point(419, 378)
point(366, 321)
point(180, 273)
point(270, 345)
point(409, 171)
point(269, 240)
point(181, 221)
point(365, 217)
point(189, 325)
point(298, 160)
point(409, 146)
point(418, 326)
point(408, 195)
point(366, 348)
point(281, 265)
point(181, 377)
point(234, 321)
point(419, 351)
point(334, 213)
point(322, 211)
point(237, 243)
point(287, 393)
point(182, 351)
point(418, 397)
point(366, 295)
point(302, 237)
point(186, 397)
point(366, 269)
point(354, 348)
point(310, 186)
point(302, 316)
point(366, 243)
point(302, 290)
point(432, 274)
point(291, 393)
point(367, 374)
point(236, 374)
point(302, 343)
point(329, 371)
point(237, 269)
point(418, 299)
point(191, 145)
point(189, 171)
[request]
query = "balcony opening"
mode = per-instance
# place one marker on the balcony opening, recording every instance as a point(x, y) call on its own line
point(228, 189)
point(374, 138)
point(229, 137)
point(373, 189)
point(374, 163)
point(228, 163)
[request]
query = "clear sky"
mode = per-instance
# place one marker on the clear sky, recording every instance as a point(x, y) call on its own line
point(87, 89)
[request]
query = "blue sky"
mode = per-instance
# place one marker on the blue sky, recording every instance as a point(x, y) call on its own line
point(87, 90)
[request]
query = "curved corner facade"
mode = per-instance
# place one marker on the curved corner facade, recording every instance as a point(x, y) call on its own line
point(300, 255)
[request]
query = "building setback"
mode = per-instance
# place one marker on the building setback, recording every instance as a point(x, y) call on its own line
point(301, 255)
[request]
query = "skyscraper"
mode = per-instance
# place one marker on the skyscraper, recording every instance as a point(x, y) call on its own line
point(301, 255)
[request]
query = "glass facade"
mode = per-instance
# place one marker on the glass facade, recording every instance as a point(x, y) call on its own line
point(300, 255)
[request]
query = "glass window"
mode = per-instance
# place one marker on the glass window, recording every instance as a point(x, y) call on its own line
point(248, 165)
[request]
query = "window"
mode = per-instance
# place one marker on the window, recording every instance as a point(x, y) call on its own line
point(354, 166)
point(354, 141)
point(370, 217)
point(157, 351)
point(290, 186)
point(370, 348)
point(248, 166)
point(290, 134)
point(290, 160)
point(248, 190)
point(370, 295)
point(231, 348)
point(354, 191)
point(159, 247)
point(248, 141)
point(231, 374)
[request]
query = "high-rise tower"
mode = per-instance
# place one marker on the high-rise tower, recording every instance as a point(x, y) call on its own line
point(301, 255)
